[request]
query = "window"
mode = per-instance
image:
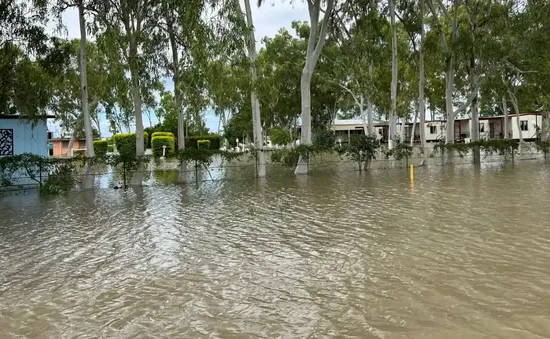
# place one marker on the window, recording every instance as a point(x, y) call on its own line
point(524, 125)
point(481, 127)
point(50, 135)
point(433, 129)
point(6, 142)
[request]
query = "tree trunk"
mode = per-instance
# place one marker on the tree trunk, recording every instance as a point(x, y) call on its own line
point(78, 128)
point(84, 84)
point(176, 77)
point(362, 110)
point(449, 90)
point(475, 114)
point(393, 112)
point(256, 116)
point(136, 91)
point(369, 105)
point(421, 102)
point(314, 48)
point(413, 128)
point(505, 111)
point(514, 101)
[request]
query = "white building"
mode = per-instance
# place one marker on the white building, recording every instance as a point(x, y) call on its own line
point(491, 127)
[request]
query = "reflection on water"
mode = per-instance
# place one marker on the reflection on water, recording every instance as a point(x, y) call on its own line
point(462, 254)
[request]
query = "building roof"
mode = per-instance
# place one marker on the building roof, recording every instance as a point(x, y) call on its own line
point(339, 122)
point(27, 117)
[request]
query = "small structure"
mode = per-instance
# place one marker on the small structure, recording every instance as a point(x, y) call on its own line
point(20, 134)
point(59, 147)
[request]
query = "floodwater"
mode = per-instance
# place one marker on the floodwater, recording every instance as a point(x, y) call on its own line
point(462, 253)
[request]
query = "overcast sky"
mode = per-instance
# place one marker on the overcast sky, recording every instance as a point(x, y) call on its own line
point(268, 19)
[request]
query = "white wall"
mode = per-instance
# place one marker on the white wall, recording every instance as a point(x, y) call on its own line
point(28, 137)
point(533, 121)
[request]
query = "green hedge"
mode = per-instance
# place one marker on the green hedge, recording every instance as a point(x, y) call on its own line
point(157, 143)
point(162, 134)
point(126, 143)
point(203, 144)
point(215, 141)
point(100, 148)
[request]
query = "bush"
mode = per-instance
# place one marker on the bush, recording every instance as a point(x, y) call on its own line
point(126, 143)
point(279, 136)
point(215, 141)
point(111, 148)
point(101, 147)
point(162, 134)
point(203, 144)
point(157, 143)
point(324, 140)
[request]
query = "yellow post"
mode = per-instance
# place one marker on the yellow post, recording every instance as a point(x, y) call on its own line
point(411, 172)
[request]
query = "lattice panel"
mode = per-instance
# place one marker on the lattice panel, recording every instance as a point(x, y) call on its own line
point(6, 142)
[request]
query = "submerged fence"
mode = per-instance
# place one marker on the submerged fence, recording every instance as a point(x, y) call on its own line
point(52, 175)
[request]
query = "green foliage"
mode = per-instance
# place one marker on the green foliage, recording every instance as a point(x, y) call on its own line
point(126, 143)
point(157, 143)
point(101, 148)
point(279, 136)
point(324, 140)
point(53, 175)
point(192, 142)
point(400, 151)
point(203, 144)
point(162, 134)
point(128, 162)
point(503, 147)
point(201, 157)
point(362, 148)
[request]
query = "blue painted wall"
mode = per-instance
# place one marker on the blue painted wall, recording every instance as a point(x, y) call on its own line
point(28, 137)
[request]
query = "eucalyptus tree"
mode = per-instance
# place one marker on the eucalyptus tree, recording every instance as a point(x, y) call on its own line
point(184, 27)
point(316, 41)
point(360, 30)
point(24, 88)
point(130, 31)
point(250, 42)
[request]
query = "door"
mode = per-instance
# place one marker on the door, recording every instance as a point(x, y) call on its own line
point(492, 130)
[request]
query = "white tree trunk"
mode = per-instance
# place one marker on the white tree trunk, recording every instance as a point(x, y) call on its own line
point(136, 92)
point(413, 128)
point(363, 117)
point(475, 114)
point(449, 90)
point(176, 77)
point(514, 101)
point(369, 105)
point(393, 112)
point(505, 111)
point(421, 102)
point(84, 83)
point(71, 144)
point(314, 48)
point(256, 116)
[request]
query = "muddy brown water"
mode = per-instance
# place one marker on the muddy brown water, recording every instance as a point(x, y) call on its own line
point(462, 253)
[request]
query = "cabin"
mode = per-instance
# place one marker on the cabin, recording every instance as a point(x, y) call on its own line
point(59, 147)
point(19, 135)
point(490, 127)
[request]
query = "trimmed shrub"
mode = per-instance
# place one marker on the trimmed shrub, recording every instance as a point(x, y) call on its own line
point(157, 143)
point(110, 148)
point(126, 143)
point(101, 147)
point(162, 134)
point(203, 144)
point(215, 141)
